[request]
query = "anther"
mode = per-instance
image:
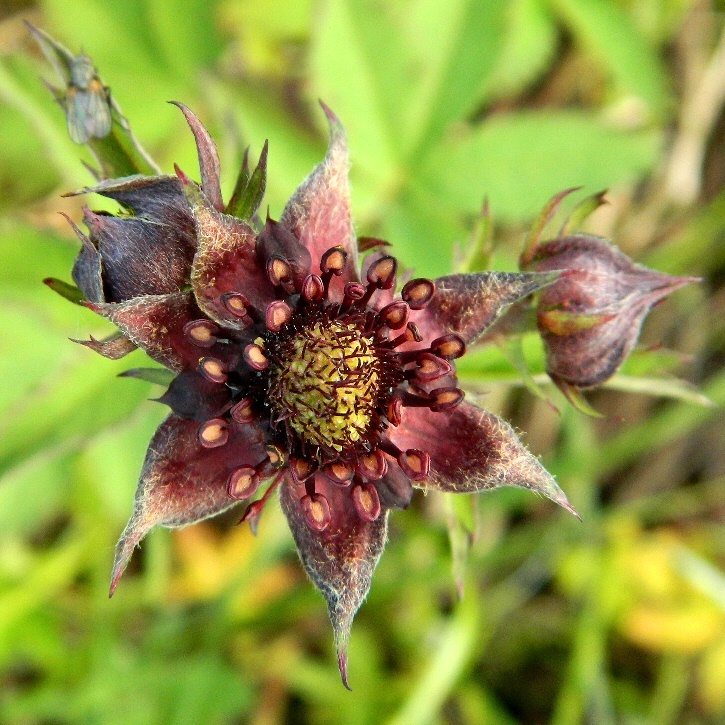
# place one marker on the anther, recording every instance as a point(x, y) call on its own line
point(201, 332)
point(213, 433)
point(243, 482)
point(366, 500)
point(333, 261)
point(255, 357)
point(236, 303)
point(381, 273)
point(275, 456)
point(279, 271)
point(354, 292)
point(418, 293)
point(373, 465)
point(394, 315)
point(411, 334)
point(212, 370)
point(448, 347)
point(339, 472)
point(317, 511)
point(301, 469)
point(415, 464)
point(429, 367)
point(242, 412)
point(394, 410)
point(444, 399)
point(313, 290)
point(278, 314)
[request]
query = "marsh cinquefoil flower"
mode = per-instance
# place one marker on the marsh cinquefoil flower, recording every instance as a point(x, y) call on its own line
point(296, 367)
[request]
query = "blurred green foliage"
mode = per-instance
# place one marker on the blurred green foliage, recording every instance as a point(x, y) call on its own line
point(620, 619)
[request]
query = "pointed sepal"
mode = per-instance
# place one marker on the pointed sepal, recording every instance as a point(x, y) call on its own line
point(318, 213)
point(67, 291)
point(183, 482)
point(113, 347)
point(468, 304)
point(158, 325)
point(206, 150)
point(339, 550)
point(473, 450)
point(225, 263)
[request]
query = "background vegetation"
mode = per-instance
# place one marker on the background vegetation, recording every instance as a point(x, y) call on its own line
point(619, 619)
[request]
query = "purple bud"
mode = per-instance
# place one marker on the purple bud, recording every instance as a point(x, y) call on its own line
point(591, 317)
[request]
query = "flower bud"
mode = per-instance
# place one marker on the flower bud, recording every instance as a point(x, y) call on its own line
point(591, 317)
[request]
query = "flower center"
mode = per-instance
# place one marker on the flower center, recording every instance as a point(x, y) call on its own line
point(326, 383)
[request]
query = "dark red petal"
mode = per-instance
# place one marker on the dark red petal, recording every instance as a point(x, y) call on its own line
point(225, 262)
point(318, 213)
point(472, 450)
point(191, 395)
point(208, 158)
point(114, 347)
point(165, 243)
point(394, 489)
point(276, 241)
point(467, 304)
point(139, 257)
point(87, 268)
point(155, 323)
point(341, 559)
point(182, 482)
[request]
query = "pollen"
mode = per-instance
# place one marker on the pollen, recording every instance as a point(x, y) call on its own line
point(325, 384)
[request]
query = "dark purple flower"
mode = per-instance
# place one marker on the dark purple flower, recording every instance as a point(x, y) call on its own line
point(296, 366)
point(591, 317)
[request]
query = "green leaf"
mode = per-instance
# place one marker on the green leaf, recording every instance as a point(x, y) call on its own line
point(529, 47)
point(604, 28)
point(185, 33)
point(520, 159)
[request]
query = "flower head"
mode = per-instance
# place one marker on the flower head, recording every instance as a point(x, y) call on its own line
point(295, 368)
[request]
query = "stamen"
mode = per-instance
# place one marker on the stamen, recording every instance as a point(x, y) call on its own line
point(213, 433)
point(278, 314)
point(201, 332)
point(429, 367)
point(243, 482)
point(415, 464)
point(279, 272)
point(418, 293)
point(317, 511)
point(254, 510)
point(394, 315)
point(411, 334)
point(373, 465)
point(445, 399)
point(449, 347)
point(301, 469)
point(382, 272)
point(242, 412)
point(354, 292)
point(255, 357)
point(313, 290)
point(394, 411)
point(275, 456)
point(236, 303)
point(333, 261)
point(366, 500)
point(212, 370)
point(339, 472)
